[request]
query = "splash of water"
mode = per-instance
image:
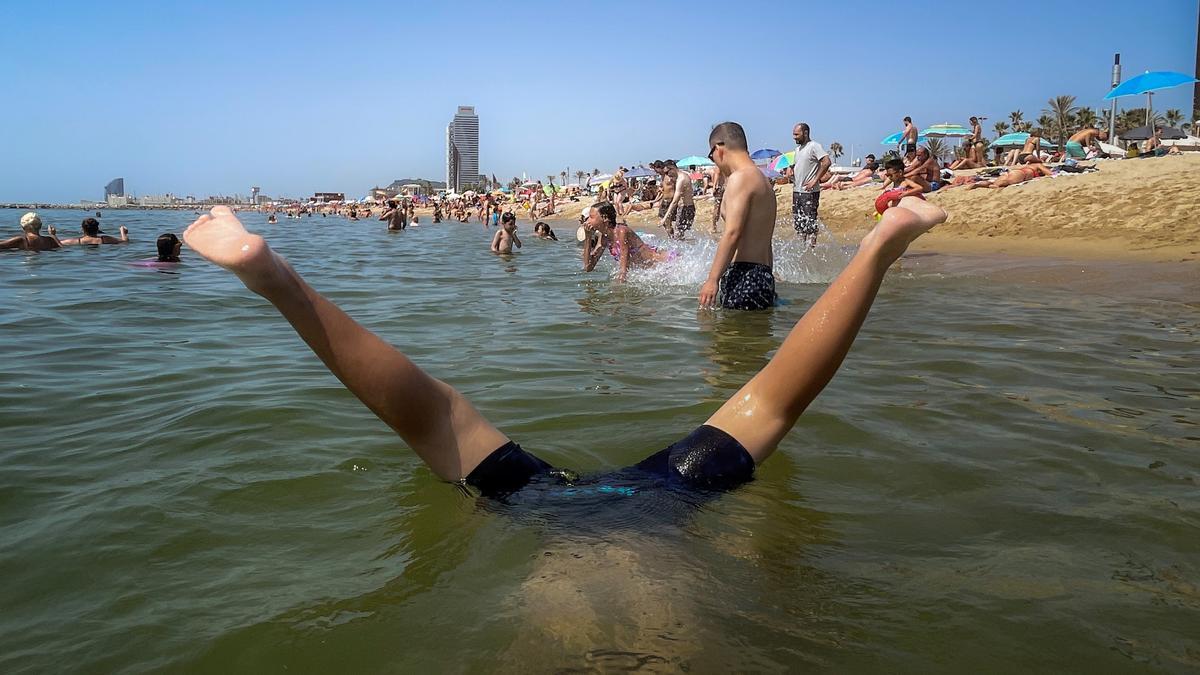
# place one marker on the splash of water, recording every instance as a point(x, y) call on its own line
point(795, 262)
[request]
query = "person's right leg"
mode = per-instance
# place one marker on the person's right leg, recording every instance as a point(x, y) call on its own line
point(444, 429)
point(762, 412)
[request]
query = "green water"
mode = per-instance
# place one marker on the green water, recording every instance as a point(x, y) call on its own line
point(1002, 477)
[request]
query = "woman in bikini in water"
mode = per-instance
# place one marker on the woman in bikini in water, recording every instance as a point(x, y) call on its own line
point(460, 445)
point(623, 243)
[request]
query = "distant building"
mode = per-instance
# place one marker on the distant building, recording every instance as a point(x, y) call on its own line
point(115, 188)
point(116, 201)
point(462, 149)
point(325, 197)
point(158, 200)
point(254, 195)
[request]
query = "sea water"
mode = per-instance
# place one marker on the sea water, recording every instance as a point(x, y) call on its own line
point(1001, 477)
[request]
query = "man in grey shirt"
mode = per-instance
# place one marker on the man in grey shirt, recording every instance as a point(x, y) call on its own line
point(810, 164)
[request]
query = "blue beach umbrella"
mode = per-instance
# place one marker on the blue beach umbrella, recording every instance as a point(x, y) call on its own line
point(765, 153)
point(1149, 81)
point(693, 160)
point(1017, 140)
point(894, 139)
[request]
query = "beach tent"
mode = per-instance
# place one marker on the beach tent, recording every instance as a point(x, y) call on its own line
point(1017, 140)
point(693, 160)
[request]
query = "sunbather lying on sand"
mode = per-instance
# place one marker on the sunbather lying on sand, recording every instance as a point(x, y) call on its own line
point(1018, 174)
point(864, 176)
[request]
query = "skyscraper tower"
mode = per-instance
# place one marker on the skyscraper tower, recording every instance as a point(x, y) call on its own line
point(254, 195)
point(115, 188)
point(462, 149)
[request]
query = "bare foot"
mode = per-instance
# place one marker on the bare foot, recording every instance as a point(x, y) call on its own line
point(901, 225)
point(220, 238)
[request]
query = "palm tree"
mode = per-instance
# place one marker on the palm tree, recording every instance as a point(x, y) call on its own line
point(579, 176)
point(1061, 114)
point(595, 172)
point(1016, 117)
point(938, 148)
point(1173, 117)
point(550, 179)
point(1023, 126)
point(563, 175)
point(1000, 128)
point(836, 150)
point(1086, 117)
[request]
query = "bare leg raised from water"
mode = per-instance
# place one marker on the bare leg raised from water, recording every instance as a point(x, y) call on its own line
point(444, 429)
point(762, 412)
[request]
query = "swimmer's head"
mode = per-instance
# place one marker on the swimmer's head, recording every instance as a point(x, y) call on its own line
point(541, 227)
point(168, 247)
point(31, 223)
point(602, 213)
point(90, 227)
point(894, 168)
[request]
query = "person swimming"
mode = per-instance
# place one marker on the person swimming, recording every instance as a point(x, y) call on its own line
point(31, 237)
point(461, 446)
point(93, 235)
point(169, 247)
point(625, 246)
point(543, 231)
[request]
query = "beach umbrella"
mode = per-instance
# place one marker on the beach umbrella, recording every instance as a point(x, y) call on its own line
point(639, 172)
point(596, 180)
point(1017, 140)
point(945, 131)
point(693, 160)
point(765, 153)
point(894, 139)
point(785, 160)
point(769, 172)
point(1144, 133)
point(1148, 83)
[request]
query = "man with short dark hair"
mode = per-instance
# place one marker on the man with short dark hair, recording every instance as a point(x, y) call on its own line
point(667, 192)
point(741, 270)
point(810, 162)
point(909, 139)
point(681, 207)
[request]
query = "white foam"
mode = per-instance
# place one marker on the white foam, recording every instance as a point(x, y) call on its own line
point(794, 261)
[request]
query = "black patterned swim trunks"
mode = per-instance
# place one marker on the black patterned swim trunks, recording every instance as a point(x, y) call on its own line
point(684, 217)
point(747, 285)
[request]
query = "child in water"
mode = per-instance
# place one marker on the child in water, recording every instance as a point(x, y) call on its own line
point(506, 236)
point(543, 231)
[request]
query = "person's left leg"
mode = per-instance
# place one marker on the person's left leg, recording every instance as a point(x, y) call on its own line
point(444, 429)
point(762, 412)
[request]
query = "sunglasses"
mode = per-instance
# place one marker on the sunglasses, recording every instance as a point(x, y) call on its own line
point(713, 151)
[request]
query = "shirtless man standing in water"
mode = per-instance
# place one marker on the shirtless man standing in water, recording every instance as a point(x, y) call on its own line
point(741, 270)
point(682, 205)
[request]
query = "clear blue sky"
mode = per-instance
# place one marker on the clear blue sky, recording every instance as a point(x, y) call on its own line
point(299, 97)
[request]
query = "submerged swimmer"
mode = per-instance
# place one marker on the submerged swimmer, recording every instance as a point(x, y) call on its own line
point(623, 243)
point(543, 231)
point(460, 445)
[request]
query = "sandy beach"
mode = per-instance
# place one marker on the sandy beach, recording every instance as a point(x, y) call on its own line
point(1128, 210)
